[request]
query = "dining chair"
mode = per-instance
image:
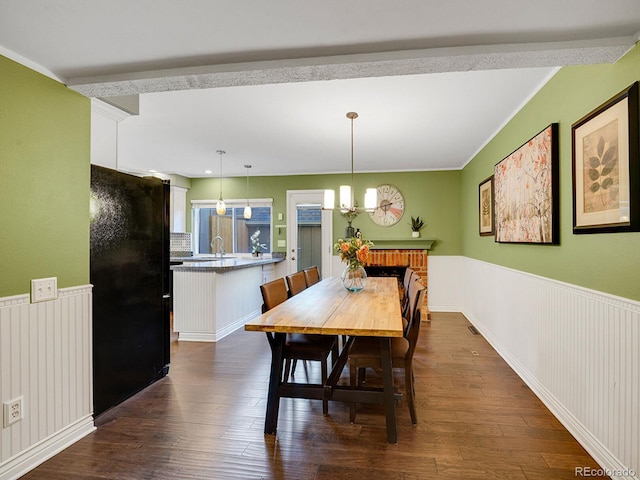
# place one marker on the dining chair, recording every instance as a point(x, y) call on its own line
point(296, 283)
point(273, 293)
point(409, 276)
point(311, 275)
point(300, 346)
point(412, 303)
point(365, 353)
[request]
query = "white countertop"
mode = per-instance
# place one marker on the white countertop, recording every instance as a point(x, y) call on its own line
point(221, 265)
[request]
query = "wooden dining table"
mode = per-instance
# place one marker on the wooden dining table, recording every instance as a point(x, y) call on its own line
point(327, 308)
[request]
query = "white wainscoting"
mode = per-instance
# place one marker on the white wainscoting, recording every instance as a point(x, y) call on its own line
point(208, 306)
point(46, 358)
point(577, 349)
point(444, 275)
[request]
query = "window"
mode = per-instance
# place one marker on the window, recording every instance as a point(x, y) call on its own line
point(233, 228)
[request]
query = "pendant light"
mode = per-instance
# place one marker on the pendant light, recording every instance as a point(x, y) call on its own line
point(347, 202)
point(221, 208)
point(346, 191)
point(247, 209)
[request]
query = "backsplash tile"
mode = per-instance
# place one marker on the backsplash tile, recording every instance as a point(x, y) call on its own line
point(180, 245)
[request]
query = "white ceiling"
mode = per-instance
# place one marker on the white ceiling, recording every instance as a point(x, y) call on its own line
point(271, 82)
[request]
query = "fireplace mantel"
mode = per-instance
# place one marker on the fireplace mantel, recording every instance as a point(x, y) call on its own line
point(402, 244)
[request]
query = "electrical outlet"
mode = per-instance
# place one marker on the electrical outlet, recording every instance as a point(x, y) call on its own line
point(12, 411)
point(43, 289)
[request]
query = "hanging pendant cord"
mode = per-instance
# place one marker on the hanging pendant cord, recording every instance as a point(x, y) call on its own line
point(247, 167)
point(352, 116)
point(221, 152)
point(352, 185)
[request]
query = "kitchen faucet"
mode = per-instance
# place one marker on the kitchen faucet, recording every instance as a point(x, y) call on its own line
point(221, 249)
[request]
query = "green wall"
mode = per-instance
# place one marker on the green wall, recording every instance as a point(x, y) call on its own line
point(434, 196)
point(605, 262)
point(45, 173)
point(44, 181)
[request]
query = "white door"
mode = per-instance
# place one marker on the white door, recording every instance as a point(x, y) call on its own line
point(300, 200)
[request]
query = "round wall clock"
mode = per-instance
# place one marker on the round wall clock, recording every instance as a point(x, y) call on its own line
point(389, 206)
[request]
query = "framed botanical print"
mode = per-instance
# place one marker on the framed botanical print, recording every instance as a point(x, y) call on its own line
point(485, 206)
point(526, 192)
point(606, 178)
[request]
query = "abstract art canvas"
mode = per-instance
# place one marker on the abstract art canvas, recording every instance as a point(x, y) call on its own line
point(526, 192)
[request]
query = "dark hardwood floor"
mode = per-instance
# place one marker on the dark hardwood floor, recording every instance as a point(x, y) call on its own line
point(477, 420)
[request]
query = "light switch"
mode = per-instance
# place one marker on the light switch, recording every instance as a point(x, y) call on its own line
point(282, 243)
point(280, 216)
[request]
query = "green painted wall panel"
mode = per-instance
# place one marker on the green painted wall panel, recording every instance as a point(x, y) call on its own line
point(605, 262)
point(44, 187)
point(434, 196)
point(44, 180)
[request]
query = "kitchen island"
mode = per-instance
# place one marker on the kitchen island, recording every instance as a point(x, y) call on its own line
point(213, 297)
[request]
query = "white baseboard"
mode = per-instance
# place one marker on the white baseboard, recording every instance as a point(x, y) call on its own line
point(218, 334)
point(445, 308)
point(30, 458)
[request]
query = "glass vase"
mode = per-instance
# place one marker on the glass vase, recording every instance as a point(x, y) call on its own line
point(354, 278)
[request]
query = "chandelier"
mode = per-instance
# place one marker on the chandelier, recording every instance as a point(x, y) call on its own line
point(348, 206)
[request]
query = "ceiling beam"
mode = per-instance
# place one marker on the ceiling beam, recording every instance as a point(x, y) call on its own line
point(407, 62)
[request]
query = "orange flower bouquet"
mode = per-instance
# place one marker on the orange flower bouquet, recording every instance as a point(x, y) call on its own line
point(353, 251)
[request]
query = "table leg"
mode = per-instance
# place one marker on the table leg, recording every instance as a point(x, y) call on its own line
point(389, 397)
point(276, 343)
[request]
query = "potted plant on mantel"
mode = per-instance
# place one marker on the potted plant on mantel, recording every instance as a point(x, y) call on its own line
point(416, 225)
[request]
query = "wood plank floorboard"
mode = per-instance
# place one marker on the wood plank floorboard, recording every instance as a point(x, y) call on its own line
point(205, 420)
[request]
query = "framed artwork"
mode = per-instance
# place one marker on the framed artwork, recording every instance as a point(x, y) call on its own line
point(485, 206)
point(606, 178)
point(526, 192)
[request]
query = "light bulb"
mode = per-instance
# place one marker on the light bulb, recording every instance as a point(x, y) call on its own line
point(221, 208)
point(370, 199)
point(345, 197)
point(329, 199)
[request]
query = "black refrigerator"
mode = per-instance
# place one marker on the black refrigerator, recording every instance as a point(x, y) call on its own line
point(129, 271)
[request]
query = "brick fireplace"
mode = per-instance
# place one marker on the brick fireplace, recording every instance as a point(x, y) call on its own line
point(416, 258)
